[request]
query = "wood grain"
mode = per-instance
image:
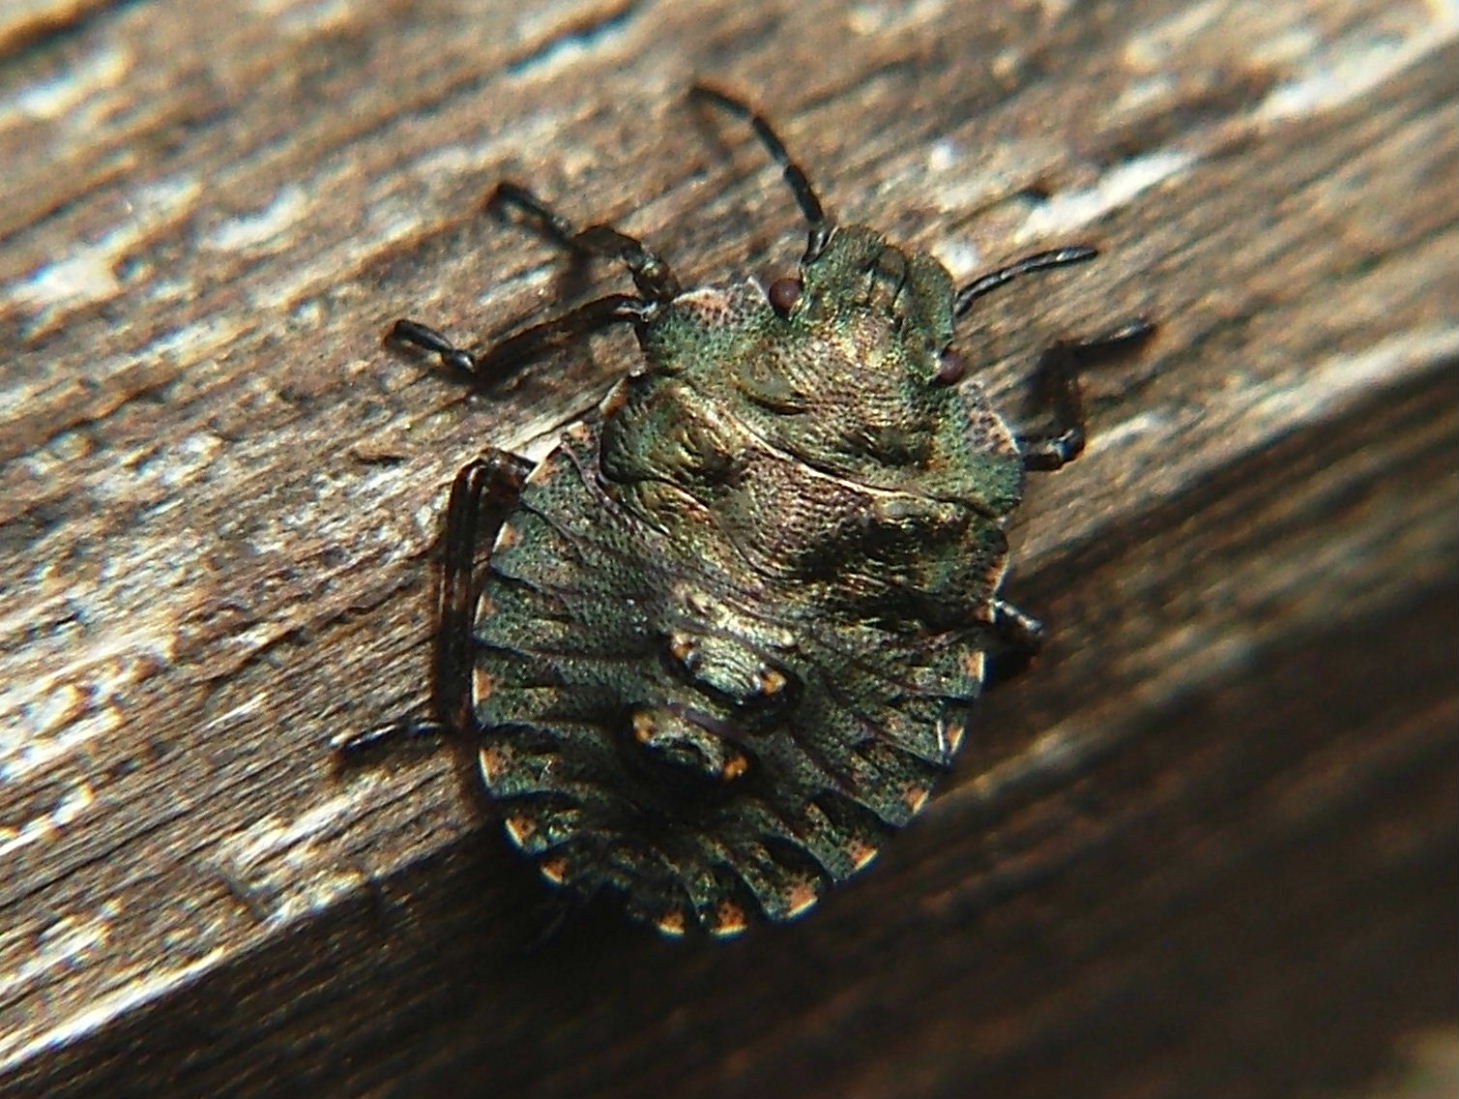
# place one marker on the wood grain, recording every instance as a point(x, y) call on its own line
point(1206, 845)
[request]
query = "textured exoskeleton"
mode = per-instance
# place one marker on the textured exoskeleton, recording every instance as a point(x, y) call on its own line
point(731, 626)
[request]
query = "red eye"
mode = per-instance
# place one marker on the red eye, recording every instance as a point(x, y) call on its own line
point(952, 369)
point(783, 294)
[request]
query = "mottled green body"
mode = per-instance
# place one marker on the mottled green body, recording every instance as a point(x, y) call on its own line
point(727, 638)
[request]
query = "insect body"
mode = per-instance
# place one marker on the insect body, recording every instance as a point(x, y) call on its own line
point(731, 626)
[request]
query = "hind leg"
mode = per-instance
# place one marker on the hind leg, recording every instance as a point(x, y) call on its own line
point(494, 479)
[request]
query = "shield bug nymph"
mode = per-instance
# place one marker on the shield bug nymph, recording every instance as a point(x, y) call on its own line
point(730, 628)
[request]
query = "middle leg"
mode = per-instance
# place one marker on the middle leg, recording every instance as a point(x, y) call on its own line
point(1017, 637)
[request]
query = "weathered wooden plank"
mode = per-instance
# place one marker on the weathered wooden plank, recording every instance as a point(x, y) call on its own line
point(1206, 845)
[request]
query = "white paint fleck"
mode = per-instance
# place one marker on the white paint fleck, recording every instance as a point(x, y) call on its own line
point(569, 45)
point(307, 17)
point(191, 342)
point(88, 272)
point(1351, 69)
point(1313, 392)
point(426, 516)
point(103, 1009)
point(1292, 45)
point(317, 894)
point(392, 217)
point(47, 717)
point(1160, 45)
point(377, 482)
point(184, 462)
point(250, 230)
point(73, 803)
point(390, 220)
point(85, 275)
point(51, 99)
point(254, 704)
point(1138, 93)
point(65, 944)
point(881, 16)
point(944, 155)
point(1071, 210)
point(960, 256)
point(273, 834)
point(1141, 424)
point(457, 159)
point(1052, 11)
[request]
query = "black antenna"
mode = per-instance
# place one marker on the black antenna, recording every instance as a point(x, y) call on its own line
point(1039, 261)
point(800, 186)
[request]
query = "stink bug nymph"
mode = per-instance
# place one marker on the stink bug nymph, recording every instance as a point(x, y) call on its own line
point(731, 627)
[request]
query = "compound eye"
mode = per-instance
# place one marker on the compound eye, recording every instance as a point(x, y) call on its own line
point(952, 369)
point(783, 295)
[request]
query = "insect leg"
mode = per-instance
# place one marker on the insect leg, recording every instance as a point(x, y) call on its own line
point(529, 343)
point(652, 276)
point(1017, 629)
point(1017, 638)
point(795, 177)
point(1039, 261)
point(494, 479)
point(551, 335)
point(1056, 387)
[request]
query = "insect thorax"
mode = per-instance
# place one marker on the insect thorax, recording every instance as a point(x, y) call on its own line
point(815, 447)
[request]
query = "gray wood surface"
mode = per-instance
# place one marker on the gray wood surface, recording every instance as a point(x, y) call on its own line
point(1206, 845)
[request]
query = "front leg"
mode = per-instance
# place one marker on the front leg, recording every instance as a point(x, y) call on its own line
point(1056, 387)
point(530, 343)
